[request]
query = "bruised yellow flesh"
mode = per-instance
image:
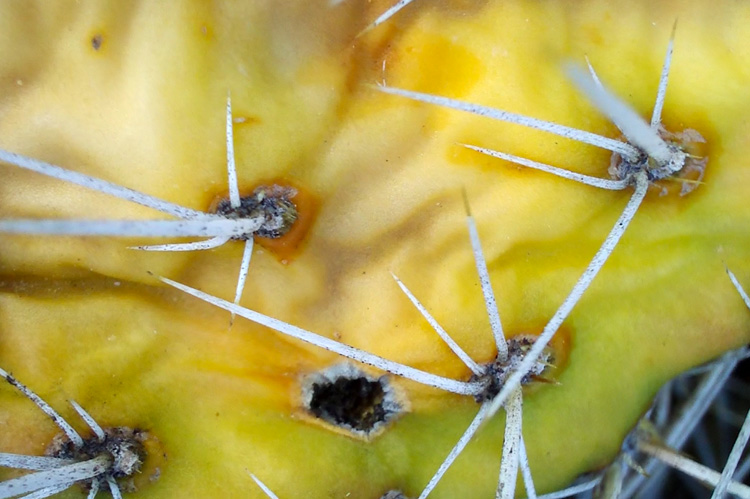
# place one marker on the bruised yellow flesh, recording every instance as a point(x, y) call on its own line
point(146, 110)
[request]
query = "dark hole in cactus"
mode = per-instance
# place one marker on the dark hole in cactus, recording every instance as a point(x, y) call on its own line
point(351, 402)
point(350, 399)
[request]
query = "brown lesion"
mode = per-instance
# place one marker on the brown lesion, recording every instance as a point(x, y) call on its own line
point(560, 344)
point(239, 121)
point(96, 41)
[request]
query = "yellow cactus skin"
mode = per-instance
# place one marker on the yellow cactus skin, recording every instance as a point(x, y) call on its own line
point(134, 93)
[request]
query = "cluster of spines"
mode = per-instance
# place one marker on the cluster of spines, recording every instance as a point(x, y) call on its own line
point(643, 143)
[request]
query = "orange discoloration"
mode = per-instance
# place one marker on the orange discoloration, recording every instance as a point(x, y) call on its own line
point(561, 344)
point(560, 349)
point(244, 121)
point(286, 246)
point(153, 464)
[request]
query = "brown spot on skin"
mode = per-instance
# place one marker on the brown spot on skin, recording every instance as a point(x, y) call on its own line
point(96, 41)
point(560, 345)
point(207, 33)
point(243, 121)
